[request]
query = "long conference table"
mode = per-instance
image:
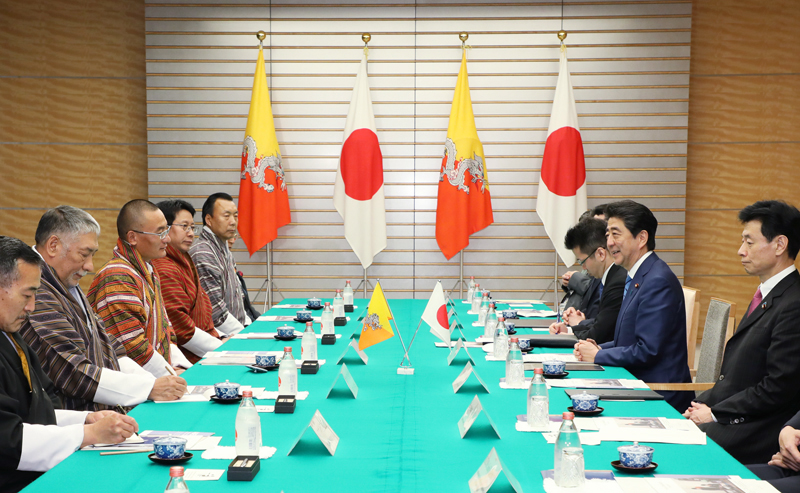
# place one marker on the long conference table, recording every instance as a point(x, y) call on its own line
point(399, 435)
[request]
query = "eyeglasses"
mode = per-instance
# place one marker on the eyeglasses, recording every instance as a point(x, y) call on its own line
point(161, 236)
point(580, 264)
point(190, 227)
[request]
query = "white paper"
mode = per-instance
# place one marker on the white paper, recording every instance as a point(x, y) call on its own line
point(459, 345)
point(203, 443)
point(474, 409)
point(299, 362)
point(592, 485)
point(273, 394)
point(542, 357)
point(202, 474)
point(265, 409)
point(462, 377)
point(323, 431)
point(598, 383)
point(520, 305)
point(348, 378)
point(478, 324)
point(487, 473)
point(644, 429)
point(536, 313)
point(229, 453)
point(292, 307)
point(586, 438)
point(453, 343)
point(276, 318)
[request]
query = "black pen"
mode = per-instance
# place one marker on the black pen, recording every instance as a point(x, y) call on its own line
point(121, 410)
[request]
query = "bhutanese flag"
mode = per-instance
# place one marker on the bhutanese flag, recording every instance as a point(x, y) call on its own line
point(464, 204)
point(376, 324)
point(263, 199)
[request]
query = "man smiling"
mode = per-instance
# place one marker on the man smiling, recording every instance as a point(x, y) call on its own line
point(650, 333)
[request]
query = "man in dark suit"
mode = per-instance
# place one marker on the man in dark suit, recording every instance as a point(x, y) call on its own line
point(650, 333)
point(782, 471)
point(587, 240)
point(757, 390)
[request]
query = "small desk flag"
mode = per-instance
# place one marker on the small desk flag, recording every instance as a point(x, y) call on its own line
point(377, 327)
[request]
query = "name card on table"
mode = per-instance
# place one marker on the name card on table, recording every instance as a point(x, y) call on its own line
point(348, 378)
point(490, 470)
point(471, 414)
point(323, 431)
point(454, 351)
point(462, 377)
point(353, 344)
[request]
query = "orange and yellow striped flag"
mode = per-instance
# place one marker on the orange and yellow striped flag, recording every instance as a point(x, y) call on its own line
point(376, 324)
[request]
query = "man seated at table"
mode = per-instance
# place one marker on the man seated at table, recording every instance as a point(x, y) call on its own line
point(215, 264)
point(89, 368)
point(126, 292)
point(35, 434)
point(757, 390)
point(188, 306)
point(579, 285)
point(783, 469)
point(650, 333)
point(587, 240)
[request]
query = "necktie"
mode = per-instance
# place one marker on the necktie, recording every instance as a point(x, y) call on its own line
point(756, 301)
point(600, 289)
point(627, 285)
point(25, 368)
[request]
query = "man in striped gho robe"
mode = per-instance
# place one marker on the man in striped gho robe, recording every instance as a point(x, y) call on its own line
point(126, 292)
point(188, 306)
point(89, 368)
point(216, 266)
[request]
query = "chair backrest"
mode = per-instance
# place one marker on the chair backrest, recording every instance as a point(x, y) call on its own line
point(731, 323)
point(713, 344)
point(691, 298)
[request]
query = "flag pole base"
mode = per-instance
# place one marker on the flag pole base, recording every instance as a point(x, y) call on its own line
point(405, 370)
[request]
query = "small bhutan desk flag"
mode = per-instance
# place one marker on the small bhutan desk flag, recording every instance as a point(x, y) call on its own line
point(263, 199)
point(464, 205)
point(376, 326)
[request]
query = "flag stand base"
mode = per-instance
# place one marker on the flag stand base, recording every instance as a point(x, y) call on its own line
point(405, 370)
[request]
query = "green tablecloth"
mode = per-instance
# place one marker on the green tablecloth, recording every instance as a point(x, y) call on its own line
point(400, 435)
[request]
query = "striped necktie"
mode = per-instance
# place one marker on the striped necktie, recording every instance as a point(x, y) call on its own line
point(25, 368)
point(627, 285)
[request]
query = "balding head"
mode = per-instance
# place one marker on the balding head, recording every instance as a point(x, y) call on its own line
point(131, 216)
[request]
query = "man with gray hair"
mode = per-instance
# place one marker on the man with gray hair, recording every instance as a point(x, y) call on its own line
point(89, 367)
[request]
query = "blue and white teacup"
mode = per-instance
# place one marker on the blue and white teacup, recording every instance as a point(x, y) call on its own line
point(169, 447)
point(226, 390)
point(304, 315)
point(509, 314)
point(314, 302)
point(286, 331)
point(635, 456)
point(265, 360)
point(524, 344)
point(510, 327)
point(584, 402)
point(554, 367)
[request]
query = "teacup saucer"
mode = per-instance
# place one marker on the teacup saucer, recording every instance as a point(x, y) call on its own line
point(633, 470)
point(555, 375)
point(262, 369)
point(282, 338)
point(313, 307)
point(597, 411)
point(526, 350)
point(511, 332)
point(226, 401)
point(171, 462)
point(302, 321)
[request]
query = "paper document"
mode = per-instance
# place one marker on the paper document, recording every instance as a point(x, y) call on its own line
point(273, 394)
point(598, 383)
point(229, 453)
point(644, 429)
point(542, 357)
point(536, 313)
point(203, 474)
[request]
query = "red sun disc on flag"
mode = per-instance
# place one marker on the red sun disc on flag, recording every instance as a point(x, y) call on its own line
point(361, 164)
point(441, 317)
point(563, 146)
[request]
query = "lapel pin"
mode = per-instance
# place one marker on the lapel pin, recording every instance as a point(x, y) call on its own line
point(636, 285)
point(764, 306)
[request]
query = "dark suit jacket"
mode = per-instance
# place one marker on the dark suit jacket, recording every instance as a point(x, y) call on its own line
point(601, 327)
point(650, 334)
point(590, 303)
point(759, 384)
point(578, 284)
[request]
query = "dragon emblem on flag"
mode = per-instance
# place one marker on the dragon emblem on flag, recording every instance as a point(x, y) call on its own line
point(456, 170)
point(373, 321)
point(257, 166)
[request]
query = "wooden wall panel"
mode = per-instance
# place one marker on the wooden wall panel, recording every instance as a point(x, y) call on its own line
point(743, 133)
point(72, 112)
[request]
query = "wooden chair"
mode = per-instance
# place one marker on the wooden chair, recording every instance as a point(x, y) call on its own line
point(712, 348)
point(691, 298)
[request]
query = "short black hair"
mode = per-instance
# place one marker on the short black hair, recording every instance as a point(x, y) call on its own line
point(171, 208)
point(12, 251)
point(208, 205)
point(586, 215)
point(636, 217)
point(777, 219)
point(600, 210)
point(588, 235)
point(130, 214)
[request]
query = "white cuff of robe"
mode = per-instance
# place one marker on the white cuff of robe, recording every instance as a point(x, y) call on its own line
point(44, 446)
point(202, 342)
point(178, 359)
point(125, 389)
point(230, 326)
point(127, 365)
point(157, 366)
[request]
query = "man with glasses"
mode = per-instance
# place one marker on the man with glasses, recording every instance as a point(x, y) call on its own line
point(587, 241)
point(90, 369)
point(126, 292)
point(187, 303)
point(215, 264)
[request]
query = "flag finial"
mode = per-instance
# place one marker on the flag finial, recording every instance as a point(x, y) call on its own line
point(261, 35)
point(366, 37)
point(562, 35)
point(463, 37)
